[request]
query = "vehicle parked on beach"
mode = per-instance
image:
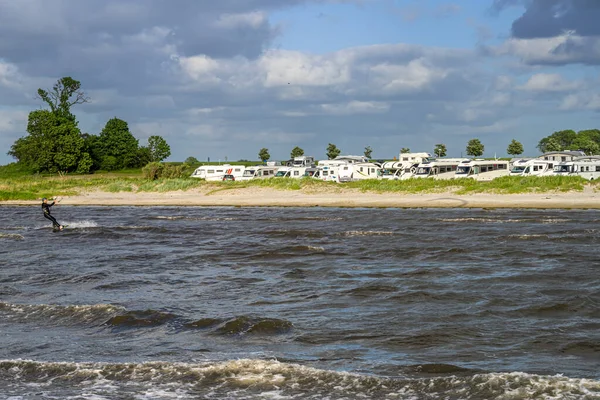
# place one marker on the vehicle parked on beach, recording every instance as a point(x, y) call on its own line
point(216, 172)
point(532, 167)
point(482, 170)
point(587, 167)
point(405, 167)
point(258, 172)
point(438, 168)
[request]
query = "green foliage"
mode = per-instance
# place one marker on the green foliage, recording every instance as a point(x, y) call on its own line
point(191, 161)
point(558, 141)
point(65, 93)
point(404, 150)
point(297, 152)
point(440, 150)
point(475, 148)
point(156, 170)
point(263, 154)
point(514, 148)
point(109, 163)
point(368, 152)
point(587, 144)
point(54, 144)
point(115, 140)
point(159, 148)
point(15, 169)
point(332, 151)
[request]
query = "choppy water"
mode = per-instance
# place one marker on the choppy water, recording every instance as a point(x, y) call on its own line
point(299, 303)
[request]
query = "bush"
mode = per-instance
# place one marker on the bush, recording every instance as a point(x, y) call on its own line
point(157, 170)
point(109, 163)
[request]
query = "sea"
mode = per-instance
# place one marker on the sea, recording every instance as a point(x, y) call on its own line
point(299, 303)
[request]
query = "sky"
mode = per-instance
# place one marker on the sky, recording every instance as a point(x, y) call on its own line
point(223, 79)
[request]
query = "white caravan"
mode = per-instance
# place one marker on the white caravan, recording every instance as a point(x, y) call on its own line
point(303, 161)
point(587, 167)
point(259, 172)
point(532, 167)
point(328, 173)
point(405, 167)
point(283, 172)
point(438, 168)
point(290, 172)
point(216, 172)
point(360, 171)
point(482, 170)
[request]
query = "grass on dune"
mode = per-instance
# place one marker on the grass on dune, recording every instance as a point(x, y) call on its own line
point(34, 187)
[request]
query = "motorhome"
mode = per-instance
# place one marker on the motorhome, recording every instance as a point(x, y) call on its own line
point(405, 168)
point(216, 172)
point(562, 156)
point(258, 172)
point(283, 172)
point(328, 173)
point(532, 167)
point(482, 170)
point(438, 168)
point(359, 171)
point(587, 167)
point(310, 172)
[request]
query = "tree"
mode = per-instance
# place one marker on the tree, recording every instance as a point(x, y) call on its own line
point(551, 145)
point(440, 150)
point(264, 155)
point(475, 148)
point(54, 144)
point(561, 140)
point(159, 148)
point(297, 152)
point(586, 144)
point(514, 148)
point(404, 150)
point(368, 151)
point(65, 93)
point(332, 151)
point(191, 160)
point(116, 141)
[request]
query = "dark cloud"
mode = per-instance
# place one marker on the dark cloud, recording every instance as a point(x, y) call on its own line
point(549, 18)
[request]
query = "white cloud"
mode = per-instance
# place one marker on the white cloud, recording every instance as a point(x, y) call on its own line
point(252, 19)
point(545, 82)
point(356, 107)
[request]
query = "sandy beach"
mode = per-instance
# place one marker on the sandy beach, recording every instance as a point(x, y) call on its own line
point(267, 197)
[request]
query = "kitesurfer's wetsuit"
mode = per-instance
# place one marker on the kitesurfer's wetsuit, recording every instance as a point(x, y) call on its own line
point(46, 208)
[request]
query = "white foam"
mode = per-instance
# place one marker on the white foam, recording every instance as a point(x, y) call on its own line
point(368, 233)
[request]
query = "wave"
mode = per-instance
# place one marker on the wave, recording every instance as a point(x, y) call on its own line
point(250, 379)
point(12, 236)
point(57, 314)
point(244, 325)
point(367, 233)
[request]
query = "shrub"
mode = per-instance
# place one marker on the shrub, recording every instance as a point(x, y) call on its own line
point(152, 171)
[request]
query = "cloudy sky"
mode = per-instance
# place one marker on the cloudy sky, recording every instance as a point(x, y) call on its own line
point(224, 78)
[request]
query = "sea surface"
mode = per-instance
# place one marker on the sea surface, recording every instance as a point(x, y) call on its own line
point(299, 303)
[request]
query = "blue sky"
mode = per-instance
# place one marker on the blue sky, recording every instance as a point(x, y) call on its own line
point(224, 79)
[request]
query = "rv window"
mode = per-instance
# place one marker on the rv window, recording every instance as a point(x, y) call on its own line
point(296, 173)
point(535, 167)
point(563, 158)
point(211, 171)
point(325, 173)
point(219, 170)
point(597, 168)
point(237, 170)
point(361, 169)
point(404, 158)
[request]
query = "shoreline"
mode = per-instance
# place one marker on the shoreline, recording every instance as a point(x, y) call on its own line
point(345, 198)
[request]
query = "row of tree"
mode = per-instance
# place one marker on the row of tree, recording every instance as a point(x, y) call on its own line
point(474, 148)
point(587, 141)
point(55, 144)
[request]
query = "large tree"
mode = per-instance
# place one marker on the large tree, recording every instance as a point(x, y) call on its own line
point(475, 148)
point(264, 155)
point(297, 152)
point(118, 148)
point(562, 140)
point(332, 151)
point(404, 150)
point(54, 144)
point(440, 150)
point(159, 148)
point(368, 152)
point(586, 144)
point(65, 93)
point(514, 148)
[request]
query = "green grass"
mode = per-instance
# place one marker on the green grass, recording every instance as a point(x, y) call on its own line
point(33, 187)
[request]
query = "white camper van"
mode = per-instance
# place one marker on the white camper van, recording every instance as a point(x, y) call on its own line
point(216, 172)
point(259, 172)
point(482, 170)
point(439, 168)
